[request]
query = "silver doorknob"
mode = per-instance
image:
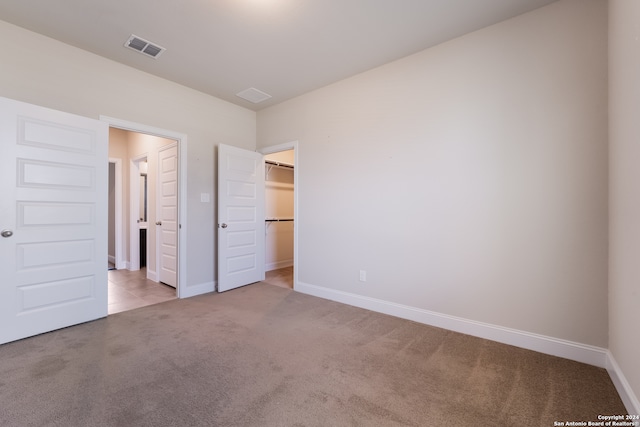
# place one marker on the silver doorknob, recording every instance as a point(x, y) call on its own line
point(6, 233)
point(158, 222)
point(223, 225)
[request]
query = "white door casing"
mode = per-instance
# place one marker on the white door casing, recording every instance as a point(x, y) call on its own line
point(134, 211)
point(241, 199)
point(167, 214)
point(119, 251)
point(54, 174)
point(183, 289)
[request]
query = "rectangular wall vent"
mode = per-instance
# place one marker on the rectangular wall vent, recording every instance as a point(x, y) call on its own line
point(144, 46)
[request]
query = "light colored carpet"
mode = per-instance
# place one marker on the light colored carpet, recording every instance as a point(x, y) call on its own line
point(266, 356)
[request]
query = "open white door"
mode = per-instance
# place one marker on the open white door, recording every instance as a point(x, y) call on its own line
point(53, 216)
point(241, 244)
point(167, 213)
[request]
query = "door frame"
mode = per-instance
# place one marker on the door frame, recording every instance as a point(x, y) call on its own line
point(134, 212)
point(181, 139)
point(292, 145)
point(117, 206)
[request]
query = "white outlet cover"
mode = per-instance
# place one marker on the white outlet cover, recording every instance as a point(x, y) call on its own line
point(205, 197)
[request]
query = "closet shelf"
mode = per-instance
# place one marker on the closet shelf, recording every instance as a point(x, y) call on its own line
point(279, 164)
point(278, 219)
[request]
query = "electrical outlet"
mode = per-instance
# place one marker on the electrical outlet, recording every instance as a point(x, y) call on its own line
point(363, 276)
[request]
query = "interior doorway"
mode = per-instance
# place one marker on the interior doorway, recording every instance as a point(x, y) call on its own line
point(140, 283)
point(143, 211)
point(279, 218)
point(281, 214)
point(241, 240)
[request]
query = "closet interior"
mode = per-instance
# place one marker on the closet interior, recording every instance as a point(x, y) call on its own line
point(279, 219)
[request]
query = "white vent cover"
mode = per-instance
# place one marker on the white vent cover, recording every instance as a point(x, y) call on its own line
point(144, 46)
point(253, 95)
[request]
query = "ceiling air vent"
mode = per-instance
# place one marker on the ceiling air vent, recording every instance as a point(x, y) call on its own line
point(253, 95)
point(144, 46)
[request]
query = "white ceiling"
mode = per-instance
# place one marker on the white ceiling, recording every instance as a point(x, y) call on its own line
point(282, 47)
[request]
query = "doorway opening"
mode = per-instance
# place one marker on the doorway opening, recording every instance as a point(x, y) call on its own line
point(242, 215)
point(150, 237)
point(281, 214)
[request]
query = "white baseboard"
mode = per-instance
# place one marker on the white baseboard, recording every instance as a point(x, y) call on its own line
point(192, 291)
point(627, 395)
point(112, 259)
point(278, 264)
point(153, 275)
point(584, 353)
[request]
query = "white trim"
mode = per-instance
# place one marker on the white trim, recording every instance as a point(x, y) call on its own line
point(182, 191)
point(201, 288)
point(153, 275)
point(278, 264)
point(134, 211)
point(118, 260)
point(292, 145)
point(625, 391)
point(584, 353)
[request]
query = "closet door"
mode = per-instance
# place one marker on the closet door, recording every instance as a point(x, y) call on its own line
point(241, 229)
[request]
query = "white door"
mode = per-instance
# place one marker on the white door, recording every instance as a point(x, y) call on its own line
point(241, 242)
point(167, 216)
point(53, 213)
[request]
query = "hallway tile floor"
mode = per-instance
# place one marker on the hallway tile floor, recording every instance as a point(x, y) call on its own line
point(131, 289)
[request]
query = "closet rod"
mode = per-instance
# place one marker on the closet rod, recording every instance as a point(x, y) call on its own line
point(278, 219)
point(282, 165)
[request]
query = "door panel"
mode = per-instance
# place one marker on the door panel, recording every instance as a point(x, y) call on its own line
point(54, 186)
point(168, 213)
point(241, 244)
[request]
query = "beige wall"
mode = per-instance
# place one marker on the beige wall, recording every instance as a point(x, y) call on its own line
point(118, 149)
point(624, 222)
point(469, 179)
point(45, 72)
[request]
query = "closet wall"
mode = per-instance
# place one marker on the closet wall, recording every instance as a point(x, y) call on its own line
point(279, 210)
